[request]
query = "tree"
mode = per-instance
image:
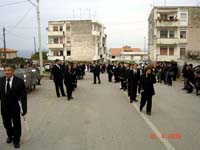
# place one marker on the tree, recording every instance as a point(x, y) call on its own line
point(36, 56)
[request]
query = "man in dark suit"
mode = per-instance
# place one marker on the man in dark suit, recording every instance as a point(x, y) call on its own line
point(110, 72)
point(133, 80)
point(122, 76)
point(58, 75)
point(96, 72)
point(12, 91)
point(146, 89)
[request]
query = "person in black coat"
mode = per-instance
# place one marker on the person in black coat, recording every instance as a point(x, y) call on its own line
point(96, 72)
point(12, 92)
point(110, 72)
point(58, 73)
point(133, 81)
point(122, 75)
point(146, 89)
point(69, 81)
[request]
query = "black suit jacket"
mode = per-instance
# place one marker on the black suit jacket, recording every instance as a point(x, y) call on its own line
point(146, 84)
point(58, 73)
point(10, 100)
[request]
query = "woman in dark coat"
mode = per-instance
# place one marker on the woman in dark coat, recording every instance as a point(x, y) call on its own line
point(69, 82)
point(146, 89)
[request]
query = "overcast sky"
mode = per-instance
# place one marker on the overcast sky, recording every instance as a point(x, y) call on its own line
point(125, 20)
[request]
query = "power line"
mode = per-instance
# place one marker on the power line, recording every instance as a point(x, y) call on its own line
point(21, 20)
point(9, 4)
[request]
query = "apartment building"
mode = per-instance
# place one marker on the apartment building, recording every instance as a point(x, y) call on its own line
point(76, 40)
point(174, 33)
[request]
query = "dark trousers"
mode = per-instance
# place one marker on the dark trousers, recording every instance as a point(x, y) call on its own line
point(97, 76)
point(146, 99)
point(123, 84)
point(110, 75)
point(59, 86)
point(12, 124)
point(116, 78)
point(133, 93)
point(69, 90)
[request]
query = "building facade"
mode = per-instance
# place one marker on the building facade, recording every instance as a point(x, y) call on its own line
point(76, 40)
point(174, 33)
point(127, 54)
point(10, 53)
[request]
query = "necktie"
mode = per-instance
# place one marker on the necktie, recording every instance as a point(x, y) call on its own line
point(8, 86)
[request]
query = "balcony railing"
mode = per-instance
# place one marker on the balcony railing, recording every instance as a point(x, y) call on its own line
point(167, 22)
point(59, 46)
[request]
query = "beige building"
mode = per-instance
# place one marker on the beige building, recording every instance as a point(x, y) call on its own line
point(127, 54)
point(10, 53)
point(76, 40)
point(174, 33)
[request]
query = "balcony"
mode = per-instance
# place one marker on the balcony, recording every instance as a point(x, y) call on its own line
point(55, 46)
point(167, 23)
point(167, 41)
point(55, 33)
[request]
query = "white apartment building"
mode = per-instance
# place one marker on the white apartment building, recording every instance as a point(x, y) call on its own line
point(76, 40)
point(174, 32)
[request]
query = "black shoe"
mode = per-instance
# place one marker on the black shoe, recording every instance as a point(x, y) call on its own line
point(63, 95)
point(16, 145)
point(9, 140)
point(140, 109)
point(58, 95)
point(135, 100)
point(131, 101)
point(148, 113)
point(71, 98)
point(68, 99)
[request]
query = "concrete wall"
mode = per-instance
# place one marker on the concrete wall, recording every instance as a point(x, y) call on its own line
point(194, 29)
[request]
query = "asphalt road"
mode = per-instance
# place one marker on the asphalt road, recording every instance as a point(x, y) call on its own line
point(101, 118)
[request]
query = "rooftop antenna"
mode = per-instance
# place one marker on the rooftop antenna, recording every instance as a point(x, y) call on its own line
point(73, 14)
point(80, 13)
point(94, 15)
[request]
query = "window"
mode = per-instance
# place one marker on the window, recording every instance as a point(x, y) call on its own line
point(61, 40)
point(163, 51)
point(183, 34)
point(61, 53)
point(68, 28)
point(171, 34)
point(171, 51)
point(182, 52)
point(163, 16)
point(61, 28)
point(68, 53)
point(183, 16)
point(58, 53)
point(68, 42)
point(55, 28)
point(113, 57)
point(55, 40)
point(163, 34)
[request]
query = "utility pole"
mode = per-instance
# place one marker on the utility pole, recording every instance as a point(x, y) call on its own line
point(34, 45)
point(145, 44)
point(39, 37)
point(4, 44)
point(39, 34)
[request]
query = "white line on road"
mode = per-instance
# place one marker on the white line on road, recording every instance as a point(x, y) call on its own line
point(165, 142)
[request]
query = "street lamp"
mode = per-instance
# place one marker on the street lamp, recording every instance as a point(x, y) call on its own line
point(39, 33)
